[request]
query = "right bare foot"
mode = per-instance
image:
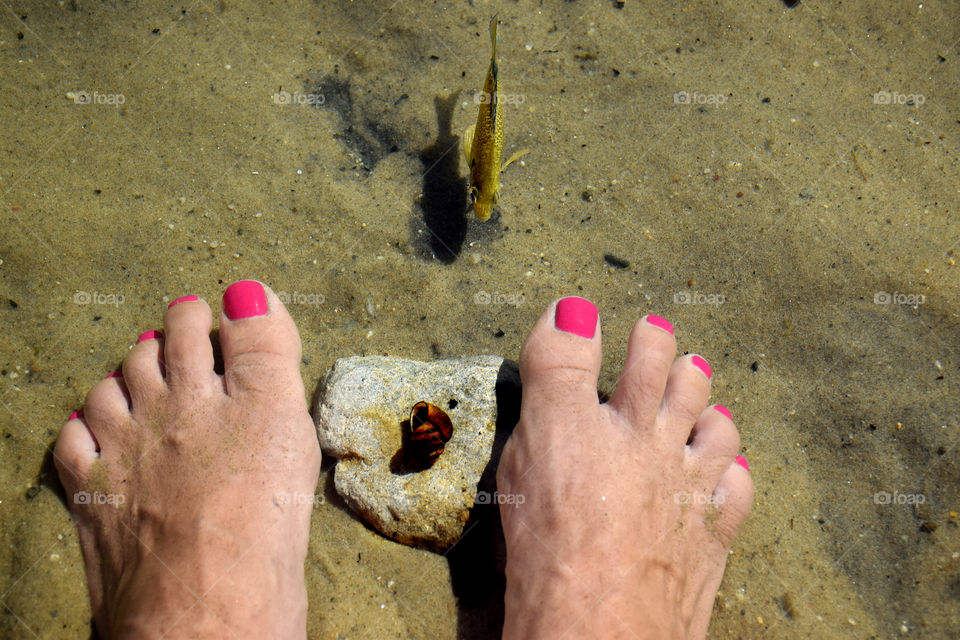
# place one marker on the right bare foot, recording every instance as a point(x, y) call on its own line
point(191, 491)
point(629, 507)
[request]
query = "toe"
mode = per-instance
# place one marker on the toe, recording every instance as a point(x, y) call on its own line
point(107, 408)
point(560, 359)
point(685, 397)
point(650, 353)
point(733, 497)
point(259, 341)
point(74, 454)
point(143, 370)
point(187, 351)
point(714, 443)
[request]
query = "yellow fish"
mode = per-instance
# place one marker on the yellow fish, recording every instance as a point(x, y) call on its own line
point(483, 142)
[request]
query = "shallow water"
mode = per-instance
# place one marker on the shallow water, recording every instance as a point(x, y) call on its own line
point(796, 219)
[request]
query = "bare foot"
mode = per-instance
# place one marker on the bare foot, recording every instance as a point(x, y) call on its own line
point(191, 490)
point(629, 508)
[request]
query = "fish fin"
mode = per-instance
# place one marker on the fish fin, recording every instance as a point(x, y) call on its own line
point(516, 156)
point(494, 21)
point(467, 143)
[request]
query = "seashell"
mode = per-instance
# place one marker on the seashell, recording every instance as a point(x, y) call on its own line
point(430, 429)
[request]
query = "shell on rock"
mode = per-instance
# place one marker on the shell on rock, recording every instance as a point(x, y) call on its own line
point(430, 429)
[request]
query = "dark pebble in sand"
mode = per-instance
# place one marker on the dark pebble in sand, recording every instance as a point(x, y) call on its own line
point(789, 607)
point(32, 492)
point(499, 333)
point(929, 526)
point(13, 304)
point(614, 261)
point(754, 366)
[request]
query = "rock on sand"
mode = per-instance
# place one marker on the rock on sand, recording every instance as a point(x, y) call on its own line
point(362, 409)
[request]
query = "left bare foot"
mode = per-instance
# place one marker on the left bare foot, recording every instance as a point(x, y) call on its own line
point(191, 491)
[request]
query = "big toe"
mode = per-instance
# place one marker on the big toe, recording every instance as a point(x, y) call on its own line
point(258, 340)
point(560, 360)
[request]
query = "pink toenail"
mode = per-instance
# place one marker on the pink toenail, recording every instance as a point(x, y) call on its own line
point(76, 415)
point(740, 460)
point(183, 299)
point(153, 334)
point(116, 374)
point(244, 299)
point(657, 321)
point(722, 409)
point(577, 316)
point(701, 364)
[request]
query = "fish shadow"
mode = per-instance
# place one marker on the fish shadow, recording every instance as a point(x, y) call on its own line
point(444, 200)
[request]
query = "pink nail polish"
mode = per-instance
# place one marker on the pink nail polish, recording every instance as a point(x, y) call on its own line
point(76, 415)
point(577, 316)
point(116, 374)
point(722, 409)
point(153, 334)
point(244, 299)
point(657, 321)
point(740, 460)
point(702, 364)
point(183, 299)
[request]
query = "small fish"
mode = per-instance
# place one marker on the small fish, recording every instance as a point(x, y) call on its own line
point(483, 142)
point(430, 429)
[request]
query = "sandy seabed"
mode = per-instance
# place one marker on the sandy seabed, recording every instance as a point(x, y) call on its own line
point(781, 184)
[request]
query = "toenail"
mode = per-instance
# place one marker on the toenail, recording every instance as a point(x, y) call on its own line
point(701, 364)
point(76, 415)
point(657, 321)
point(153, 334)
point(722, 409)
point(577, 316)
point(740, 460)
point(115, 374)
point(244, 299)
point(183, 299)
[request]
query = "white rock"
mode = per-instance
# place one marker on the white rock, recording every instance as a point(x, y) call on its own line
point(361, 412)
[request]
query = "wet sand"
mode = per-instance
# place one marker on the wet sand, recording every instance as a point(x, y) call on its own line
point(800, 235)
